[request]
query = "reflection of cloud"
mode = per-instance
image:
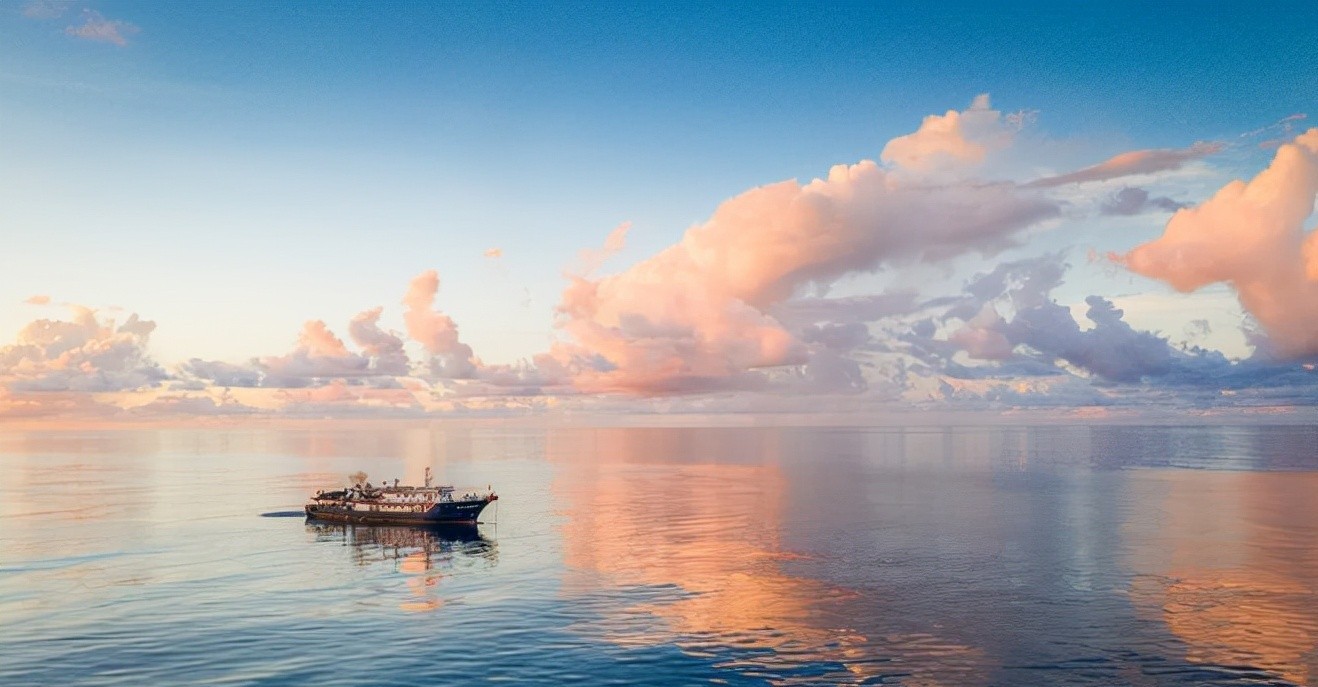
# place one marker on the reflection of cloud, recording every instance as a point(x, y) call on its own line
point(1231, 570)
point(699, 543)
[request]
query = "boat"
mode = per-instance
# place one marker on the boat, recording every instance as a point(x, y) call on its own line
point(400, 505)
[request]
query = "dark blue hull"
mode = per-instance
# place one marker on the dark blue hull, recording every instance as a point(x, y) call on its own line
point(365, 512)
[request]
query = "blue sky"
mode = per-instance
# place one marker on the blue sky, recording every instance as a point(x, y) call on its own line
point(234, 169)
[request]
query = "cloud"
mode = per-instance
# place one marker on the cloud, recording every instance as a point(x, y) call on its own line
point(1252, 236)
point(384, 349)
point(38, 299)
point(83, 353)
point(695, 316)
point(591, 259)
point(223, 374)
point(1130, 163)
point(46, 9)
point(800, 313)
point(1041, 332)
point(1038, 355)
point(436, 331)
point(736, 314)
point(951, 140)
point(493, 253)
point(319, 355)
point(1285, 125)
point(1134, 201)
point(97, 28)
point(320, 358)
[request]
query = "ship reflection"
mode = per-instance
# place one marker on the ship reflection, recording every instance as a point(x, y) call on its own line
point(423, 555)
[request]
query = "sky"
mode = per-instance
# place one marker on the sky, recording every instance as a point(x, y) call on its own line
point(753, 207)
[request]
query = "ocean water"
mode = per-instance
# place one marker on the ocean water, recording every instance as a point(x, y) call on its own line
point(1087, 555)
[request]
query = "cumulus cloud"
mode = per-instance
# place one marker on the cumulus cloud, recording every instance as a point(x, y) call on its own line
point(435, 331)
point(695, 316)
point(1252, 236)
point(319, 355)
point(320, 358)
point(740, 306)
point(1135, 201)
point(83, 353)
point(1041, 334)
point(384, 349)
point(1022, 348)
point(951, 140)
point(1132, 162)
point(95, 27)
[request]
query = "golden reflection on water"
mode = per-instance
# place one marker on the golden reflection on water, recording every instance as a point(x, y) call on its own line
point(711, 534)
point(1231, 568)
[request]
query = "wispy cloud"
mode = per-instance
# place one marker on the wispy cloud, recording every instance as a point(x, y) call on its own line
point(38, 299)
point(46, 9)
point(1131, 163)
point(97, 28)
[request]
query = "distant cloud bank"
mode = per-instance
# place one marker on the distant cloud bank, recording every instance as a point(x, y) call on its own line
point(737, 315)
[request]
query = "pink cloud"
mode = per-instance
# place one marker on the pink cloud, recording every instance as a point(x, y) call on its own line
point(981, 336)
point(38, 299)
point(319, 354)
point(97, 28)
point(1252, 236)
point(83, 353)
point(321, 358)
point(593, 258)
point(383, 348)
point(1132, 162)
point(953, 139)
point(493, 253)
point(434, 330)
point(694, 316)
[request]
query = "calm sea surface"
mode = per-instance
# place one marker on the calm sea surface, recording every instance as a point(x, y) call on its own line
point(757, 556)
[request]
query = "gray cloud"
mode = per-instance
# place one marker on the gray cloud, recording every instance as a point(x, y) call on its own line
point(1134, 201)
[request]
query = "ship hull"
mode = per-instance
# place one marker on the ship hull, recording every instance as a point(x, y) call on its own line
point(452, 512)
